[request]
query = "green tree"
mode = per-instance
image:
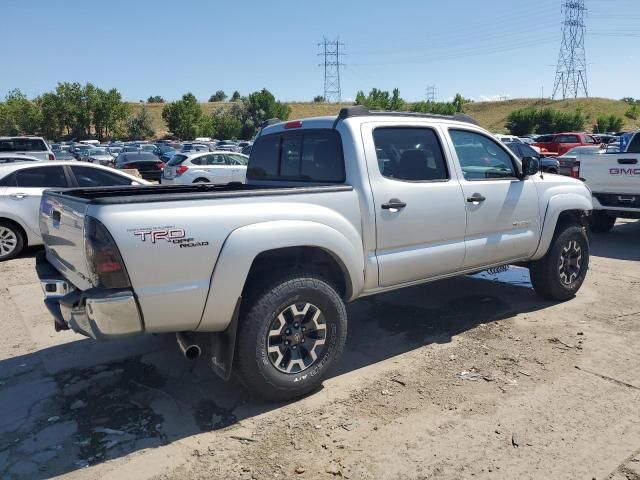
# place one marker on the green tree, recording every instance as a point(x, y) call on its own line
point(438, 108)
point(182, 116)
point(318, 99)
point(236, 96)
point(19, 115)
point(50, 120)
point(110, 113)
point(634, 112)
point(630, 100)
point(219, 96)
point(139, 125)
point(227, 123)
point(381, 100)
point(459, 102)
point(609, 123)
point(155, 99)
point(258, 107)
point(522, 122)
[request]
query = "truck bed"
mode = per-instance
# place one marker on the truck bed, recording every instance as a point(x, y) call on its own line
point(165, 193)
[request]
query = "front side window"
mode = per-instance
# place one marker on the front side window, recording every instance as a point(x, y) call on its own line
point(41, 177)
point(409, 154)
point(237, 159)
point(480, 157)
point(566, 139)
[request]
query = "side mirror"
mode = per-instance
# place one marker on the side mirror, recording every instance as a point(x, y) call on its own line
point(530, 166)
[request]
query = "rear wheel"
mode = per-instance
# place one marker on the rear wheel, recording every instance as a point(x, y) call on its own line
point(11, 240)
point(601, 222)
point(560, 273)
point(289, 336)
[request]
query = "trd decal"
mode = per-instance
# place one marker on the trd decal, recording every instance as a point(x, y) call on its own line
point(173, 235)
point(161, 234)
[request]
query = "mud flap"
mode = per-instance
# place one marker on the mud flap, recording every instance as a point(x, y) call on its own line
point(223, 346)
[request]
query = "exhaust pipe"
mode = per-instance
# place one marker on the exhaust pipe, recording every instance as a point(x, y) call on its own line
point(188, 347)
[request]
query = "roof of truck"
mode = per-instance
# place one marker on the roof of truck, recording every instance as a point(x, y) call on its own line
point(276, 124)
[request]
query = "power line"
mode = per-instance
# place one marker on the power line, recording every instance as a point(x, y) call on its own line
point(571, 72)
point(331, 51)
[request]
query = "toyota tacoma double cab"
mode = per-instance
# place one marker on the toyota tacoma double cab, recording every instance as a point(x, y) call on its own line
point(333, 209)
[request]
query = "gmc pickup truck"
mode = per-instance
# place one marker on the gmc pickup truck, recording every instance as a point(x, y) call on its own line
point(614, 179)
point(334, 209)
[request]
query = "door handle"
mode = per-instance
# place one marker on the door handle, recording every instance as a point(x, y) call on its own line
point(627, 161)
point(476, 198)
point(393, 204)
point(18, 196)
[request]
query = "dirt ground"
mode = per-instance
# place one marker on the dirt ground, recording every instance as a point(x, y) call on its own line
point(473, 377)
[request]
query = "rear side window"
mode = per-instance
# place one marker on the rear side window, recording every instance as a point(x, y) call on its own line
point(41, 177)
point(409, 154)
point(22, 145)
point(96, 177)
point(302, 156)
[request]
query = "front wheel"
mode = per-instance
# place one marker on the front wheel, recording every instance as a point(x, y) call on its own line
point(601, 222)
point(560, 273)
point(289, 336)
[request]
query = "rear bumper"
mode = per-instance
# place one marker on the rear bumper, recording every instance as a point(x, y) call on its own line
point(97, 313)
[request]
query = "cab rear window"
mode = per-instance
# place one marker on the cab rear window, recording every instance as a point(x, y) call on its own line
point(313, 155)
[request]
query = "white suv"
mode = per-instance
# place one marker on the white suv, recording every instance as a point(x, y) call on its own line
point(206, 167)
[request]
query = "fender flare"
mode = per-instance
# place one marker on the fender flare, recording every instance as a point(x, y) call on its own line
point(244, 244)
point(557, 204)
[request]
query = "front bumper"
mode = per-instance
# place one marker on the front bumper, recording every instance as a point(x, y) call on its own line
point(97, 313)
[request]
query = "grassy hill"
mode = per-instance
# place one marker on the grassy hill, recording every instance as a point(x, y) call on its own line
point(491, 115)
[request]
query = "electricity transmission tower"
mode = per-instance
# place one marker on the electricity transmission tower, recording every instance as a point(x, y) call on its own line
point(331, 50)
point(431, 93)
point(571, 72)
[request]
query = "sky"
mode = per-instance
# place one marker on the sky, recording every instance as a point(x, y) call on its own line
point(482, 49)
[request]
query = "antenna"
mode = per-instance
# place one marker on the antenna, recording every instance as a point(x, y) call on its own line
point(331, 51)
point(571, 72)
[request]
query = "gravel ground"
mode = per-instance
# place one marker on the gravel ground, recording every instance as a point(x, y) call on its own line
point(473, 377)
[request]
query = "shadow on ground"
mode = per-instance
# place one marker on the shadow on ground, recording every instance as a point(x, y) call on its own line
point(53, 422)
point(622, 243)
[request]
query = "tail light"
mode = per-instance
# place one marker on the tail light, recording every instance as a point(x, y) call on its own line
point(575, 170)
point(181, 169)
point(160, 165)
point(106, 267)
point(52, 156)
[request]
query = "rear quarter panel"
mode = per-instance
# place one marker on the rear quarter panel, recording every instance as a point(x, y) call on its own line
point(170, 248)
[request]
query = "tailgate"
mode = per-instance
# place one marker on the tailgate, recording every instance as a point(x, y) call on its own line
point(62, 230)
point(611, 172)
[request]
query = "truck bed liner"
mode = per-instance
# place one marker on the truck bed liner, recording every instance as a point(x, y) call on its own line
point(164, 193)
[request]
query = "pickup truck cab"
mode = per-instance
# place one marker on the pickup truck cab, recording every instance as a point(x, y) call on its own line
point(561, 143)
point(614, 180)
point(334, 209)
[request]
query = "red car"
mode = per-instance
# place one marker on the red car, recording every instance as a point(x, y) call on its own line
point(560, 143)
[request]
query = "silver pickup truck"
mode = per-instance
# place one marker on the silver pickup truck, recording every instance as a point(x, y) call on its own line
point(334, 209)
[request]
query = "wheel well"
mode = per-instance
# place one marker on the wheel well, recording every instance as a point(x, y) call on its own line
point(22, 231)
point(274, 263)
point(200, 179)
point(571, 217)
